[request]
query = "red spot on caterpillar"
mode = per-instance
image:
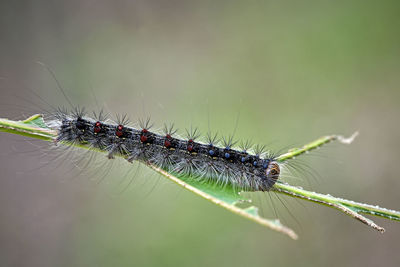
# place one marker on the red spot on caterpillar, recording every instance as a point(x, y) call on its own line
point(190, 145)
point(167, 143)
point(119, 132)
point(97, 127)
point(143, 136)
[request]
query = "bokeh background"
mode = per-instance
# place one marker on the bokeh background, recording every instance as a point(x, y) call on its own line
point(293, 70)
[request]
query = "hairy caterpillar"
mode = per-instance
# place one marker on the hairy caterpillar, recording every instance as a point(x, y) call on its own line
point(241, 168)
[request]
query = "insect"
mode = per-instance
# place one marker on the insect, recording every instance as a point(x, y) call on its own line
point(243, 168)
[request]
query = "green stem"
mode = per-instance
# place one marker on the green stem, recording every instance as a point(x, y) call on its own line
point(28, 128)
point(349, 207)
point(315, 144)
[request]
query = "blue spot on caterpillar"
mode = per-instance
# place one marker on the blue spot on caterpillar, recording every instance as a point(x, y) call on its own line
point(211, 152)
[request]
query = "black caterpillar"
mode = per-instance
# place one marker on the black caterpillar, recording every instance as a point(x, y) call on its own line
point(207, 161)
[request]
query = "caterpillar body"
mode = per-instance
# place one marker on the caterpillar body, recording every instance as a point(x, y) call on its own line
point(208, 161)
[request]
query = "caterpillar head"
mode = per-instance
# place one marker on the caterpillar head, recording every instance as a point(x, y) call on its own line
point(273, 171)
point(272, 174)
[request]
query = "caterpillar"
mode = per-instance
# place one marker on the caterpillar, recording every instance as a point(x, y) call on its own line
point(219, 162)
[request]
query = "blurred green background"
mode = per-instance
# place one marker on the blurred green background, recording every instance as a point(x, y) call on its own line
point(294, 70)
